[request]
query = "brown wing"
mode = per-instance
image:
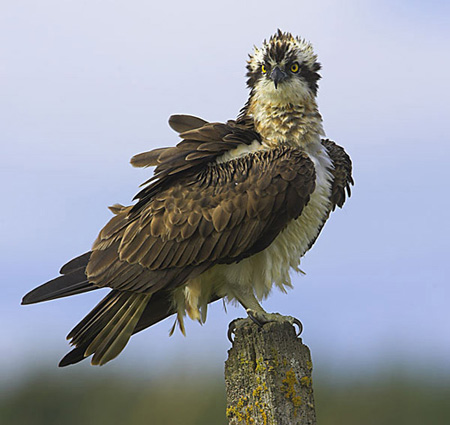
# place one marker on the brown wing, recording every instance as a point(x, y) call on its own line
point(202, 143)
point(222, 213)
point(342, 173)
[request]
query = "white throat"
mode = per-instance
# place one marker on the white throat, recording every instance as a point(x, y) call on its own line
point(294, 124)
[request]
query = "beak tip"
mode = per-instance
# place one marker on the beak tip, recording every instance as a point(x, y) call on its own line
point(277, 76)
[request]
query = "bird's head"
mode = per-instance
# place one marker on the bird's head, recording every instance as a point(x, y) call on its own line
point(283, 70)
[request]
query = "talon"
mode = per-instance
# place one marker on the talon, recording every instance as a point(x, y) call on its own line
point(231, 329)
point(300, 326)
point(230, 332)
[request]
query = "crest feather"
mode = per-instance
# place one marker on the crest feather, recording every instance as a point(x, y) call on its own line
point(281, 46)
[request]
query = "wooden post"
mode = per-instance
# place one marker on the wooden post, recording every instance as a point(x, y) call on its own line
point(268, 376)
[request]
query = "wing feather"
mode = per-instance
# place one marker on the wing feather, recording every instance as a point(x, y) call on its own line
point(205, 252)
point(168, 260)
point(147, 256)
point(179, 252)
point(182, 123)
point(193, 219)
point(147, 159)
point(205, 228)
point(221, 247)
point(342, 173)
point(162, 255)
point(232, 241)
point(220, 218)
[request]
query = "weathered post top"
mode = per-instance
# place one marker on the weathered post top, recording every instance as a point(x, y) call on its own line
point(268, 376)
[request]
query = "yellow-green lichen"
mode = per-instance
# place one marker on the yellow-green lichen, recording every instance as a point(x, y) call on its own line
point(276, 363)
point(244, 411)
point(306, 381)
point(243, 361)
point(259, 403)
point(269, 365)
point(257, 392)
point(238, 411)
point(260, 365)
point(288, 388)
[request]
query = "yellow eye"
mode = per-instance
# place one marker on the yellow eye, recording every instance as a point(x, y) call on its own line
point(263, 69)
point(294, 67)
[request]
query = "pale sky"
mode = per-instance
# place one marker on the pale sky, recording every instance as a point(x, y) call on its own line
point(84, 85)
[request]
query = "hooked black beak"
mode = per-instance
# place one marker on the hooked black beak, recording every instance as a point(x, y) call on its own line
point(277, 76)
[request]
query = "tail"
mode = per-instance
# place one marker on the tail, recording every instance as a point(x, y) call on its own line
point(73, 281)
point(105, 331)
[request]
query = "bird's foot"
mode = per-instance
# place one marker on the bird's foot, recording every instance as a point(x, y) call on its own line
point(261, 318)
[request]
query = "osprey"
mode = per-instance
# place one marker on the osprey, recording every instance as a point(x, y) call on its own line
point(228, 212)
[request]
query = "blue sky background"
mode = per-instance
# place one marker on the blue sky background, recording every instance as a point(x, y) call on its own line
point(84, 85)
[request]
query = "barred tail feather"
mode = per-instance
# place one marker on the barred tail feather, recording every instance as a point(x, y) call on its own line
point(114, 336)
point(105, 331)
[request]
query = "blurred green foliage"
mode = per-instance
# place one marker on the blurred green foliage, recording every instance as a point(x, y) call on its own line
point(392, 402)
point(82, 400)
point(180, 400)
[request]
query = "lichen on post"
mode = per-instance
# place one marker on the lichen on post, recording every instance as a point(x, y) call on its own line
point(268, 376)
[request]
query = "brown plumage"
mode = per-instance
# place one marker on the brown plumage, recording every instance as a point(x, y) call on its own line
point(219, 202)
